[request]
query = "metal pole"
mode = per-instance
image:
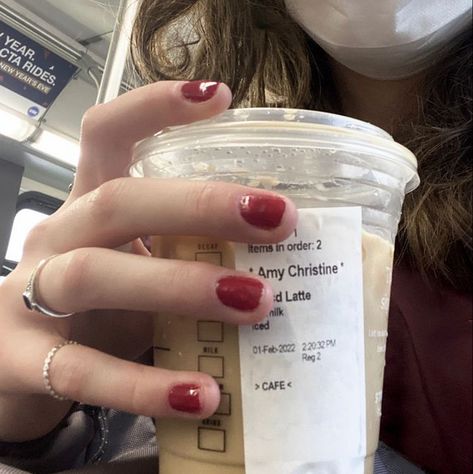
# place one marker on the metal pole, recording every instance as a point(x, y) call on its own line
point(118, 51)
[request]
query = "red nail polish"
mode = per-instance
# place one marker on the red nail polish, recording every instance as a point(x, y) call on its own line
point(262, 210)
point(240, 292)
point(185, 397)
point(199, 91)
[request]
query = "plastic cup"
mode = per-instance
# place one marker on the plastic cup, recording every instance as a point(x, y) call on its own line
point(301, 391)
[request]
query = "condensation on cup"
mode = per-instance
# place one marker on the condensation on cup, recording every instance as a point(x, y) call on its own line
point(301, 391)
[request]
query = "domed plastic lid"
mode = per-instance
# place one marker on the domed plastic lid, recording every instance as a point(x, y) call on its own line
point(242, 126)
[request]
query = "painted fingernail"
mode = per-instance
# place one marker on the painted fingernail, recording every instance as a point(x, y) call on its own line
point(262, 211)
point(185, 397)
point(199, 91)
point(240, 292)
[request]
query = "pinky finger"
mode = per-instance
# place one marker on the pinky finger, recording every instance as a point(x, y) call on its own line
point(95, 378)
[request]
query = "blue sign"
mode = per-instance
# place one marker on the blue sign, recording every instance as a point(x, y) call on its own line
point(31, 71)
point(33, 111)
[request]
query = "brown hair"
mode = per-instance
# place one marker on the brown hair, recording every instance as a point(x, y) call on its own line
point(267, 60)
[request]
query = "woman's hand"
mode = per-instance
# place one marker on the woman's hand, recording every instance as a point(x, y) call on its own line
point(112, 291)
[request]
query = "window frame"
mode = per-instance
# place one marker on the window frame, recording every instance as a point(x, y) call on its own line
point(35, 201)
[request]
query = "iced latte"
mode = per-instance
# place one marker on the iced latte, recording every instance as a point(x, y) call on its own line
point(301, 391)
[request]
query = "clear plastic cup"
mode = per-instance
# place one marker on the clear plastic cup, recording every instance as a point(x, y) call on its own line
point(301, 391)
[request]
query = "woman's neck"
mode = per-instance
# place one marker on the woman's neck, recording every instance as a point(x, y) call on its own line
point(383, 103)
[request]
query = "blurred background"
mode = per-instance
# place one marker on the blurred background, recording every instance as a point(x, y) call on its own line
point(52, 58)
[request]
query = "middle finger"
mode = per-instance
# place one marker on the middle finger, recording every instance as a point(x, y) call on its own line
point(126, 208)
point(91, 278)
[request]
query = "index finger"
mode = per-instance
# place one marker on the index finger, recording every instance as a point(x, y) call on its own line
point(109, 131)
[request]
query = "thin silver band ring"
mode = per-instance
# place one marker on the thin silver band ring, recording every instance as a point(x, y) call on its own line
point(30, 295)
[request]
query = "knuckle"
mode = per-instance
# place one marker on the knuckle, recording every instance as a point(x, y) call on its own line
point(181, 273)
point(77, 275)
point(137, 399)
point(38, 235)
point(92, 121)
point(192, 279)
point(69, 376)
point(102, 202)
point(201, 197)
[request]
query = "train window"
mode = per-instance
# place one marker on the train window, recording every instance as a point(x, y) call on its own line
point(32, 208)
point(25, 220)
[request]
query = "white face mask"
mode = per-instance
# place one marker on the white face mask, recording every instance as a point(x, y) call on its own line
point(383, 39)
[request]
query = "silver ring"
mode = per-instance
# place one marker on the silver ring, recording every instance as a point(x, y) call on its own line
point(47, 366)
point(30, 295)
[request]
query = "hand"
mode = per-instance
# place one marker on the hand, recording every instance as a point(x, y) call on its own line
point(113, 291)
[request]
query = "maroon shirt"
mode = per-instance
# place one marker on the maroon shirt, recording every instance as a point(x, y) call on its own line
point(427, 407)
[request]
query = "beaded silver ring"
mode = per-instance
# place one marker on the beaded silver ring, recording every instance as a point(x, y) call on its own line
point(47, 365)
